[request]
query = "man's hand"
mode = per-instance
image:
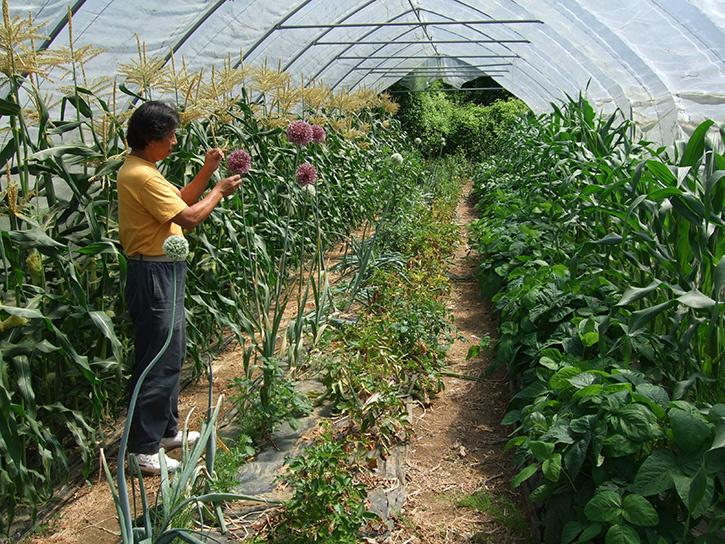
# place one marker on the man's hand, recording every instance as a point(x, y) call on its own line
point(213, 158)
point(197, 212)
point(228, 185)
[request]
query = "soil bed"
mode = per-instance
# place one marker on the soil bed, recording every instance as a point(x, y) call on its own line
point(459, 477)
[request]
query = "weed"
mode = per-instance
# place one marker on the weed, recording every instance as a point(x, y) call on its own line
point(228, 462)
point(280, 401)
point(328, 503)
point(476, 349)
point(502, 510)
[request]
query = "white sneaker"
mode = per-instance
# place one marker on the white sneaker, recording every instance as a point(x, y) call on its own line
point(171, 442)
point(149, 463)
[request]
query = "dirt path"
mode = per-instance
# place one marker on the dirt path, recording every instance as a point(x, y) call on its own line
point(459, 478)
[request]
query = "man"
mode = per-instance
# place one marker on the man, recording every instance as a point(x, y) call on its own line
point(150, 210)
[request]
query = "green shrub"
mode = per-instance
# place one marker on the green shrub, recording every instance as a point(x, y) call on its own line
point(457, 126)
point(478, 131)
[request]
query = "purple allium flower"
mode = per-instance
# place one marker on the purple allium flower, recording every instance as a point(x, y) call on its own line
point(299, 133)
point(239, 162)
point(318, 134)
point(306, 174)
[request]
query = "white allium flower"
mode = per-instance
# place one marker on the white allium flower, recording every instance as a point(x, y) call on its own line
point(417, 141)
point(176, 247)
point(397, 158)
point(310, 189)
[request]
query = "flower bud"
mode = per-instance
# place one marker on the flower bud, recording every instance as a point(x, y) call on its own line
point(176, 247)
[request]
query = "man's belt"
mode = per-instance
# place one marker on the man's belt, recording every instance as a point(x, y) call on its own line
point(151, 258)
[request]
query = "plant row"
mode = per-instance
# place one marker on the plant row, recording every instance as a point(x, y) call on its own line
point(64, 335)
point(605, 257)
point(388, 353)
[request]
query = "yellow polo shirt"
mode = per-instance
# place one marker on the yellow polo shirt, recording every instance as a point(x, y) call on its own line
point(146, 204)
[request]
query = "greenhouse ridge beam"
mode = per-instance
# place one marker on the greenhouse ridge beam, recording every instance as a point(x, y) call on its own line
point(423, 28)
point(433, 68)
point(422, 42)
point(414, 23)
point(391, 57)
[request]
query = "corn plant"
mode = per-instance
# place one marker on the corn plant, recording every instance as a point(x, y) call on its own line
point(62, 270)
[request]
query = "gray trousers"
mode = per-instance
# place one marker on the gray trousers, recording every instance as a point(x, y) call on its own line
point(149, 297)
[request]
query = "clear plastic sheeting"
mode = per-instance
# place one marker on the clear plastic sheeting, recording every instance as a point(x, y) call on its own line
point(661, 60)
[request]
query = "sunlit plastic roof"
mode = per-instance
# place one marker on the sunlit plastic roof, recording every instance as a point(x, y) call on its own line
point(663, 60)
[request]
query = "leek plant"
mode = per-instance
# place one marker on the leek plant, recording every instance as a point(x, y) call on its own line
point(182, 495)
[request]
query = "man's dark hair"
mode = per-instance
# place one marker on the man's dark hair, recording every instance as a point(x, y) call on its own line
point(152, 120)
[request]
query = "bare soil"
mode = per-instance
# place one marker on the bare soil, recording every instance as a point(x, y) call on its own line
point(457, 448)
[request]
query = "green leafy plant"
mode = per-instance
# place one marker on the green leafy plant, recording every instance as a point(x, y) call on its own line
point(281, 401)
point(609, 306)
point(328, 503)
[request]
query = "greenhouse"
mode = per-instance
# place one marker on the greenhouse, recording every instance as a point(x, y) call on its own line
point(362, 271)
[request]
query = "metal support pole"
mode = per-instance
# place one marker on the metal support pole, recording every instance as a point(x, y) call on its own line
point(194, 27)
point(57, 29)
point(423, 27)
point(267, 34)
